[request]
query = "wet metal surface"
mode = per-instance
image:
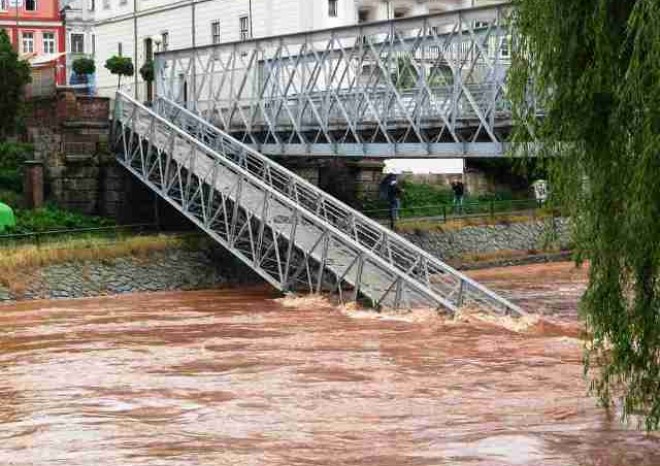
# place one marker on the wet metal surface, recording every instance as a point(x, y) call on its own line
point(229, 377)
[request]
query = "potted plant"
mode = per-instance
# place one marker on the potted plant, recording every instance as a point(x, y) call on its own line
point(121, 66)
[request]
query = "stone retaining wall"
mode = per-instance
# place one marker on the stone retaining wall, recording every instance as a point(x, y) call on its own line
point(532, 236)
point(175, 269)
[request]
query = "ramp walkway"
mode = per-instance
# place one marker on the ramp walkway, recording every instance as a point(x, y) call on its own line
point(294, 235)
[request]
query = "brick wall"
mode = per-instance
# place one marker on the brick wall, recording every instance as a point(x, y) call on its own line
point(70, 134)
point(67, 107)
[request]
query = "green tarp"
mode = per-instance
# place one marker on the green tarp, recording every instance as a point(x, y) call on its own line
point(6, 217)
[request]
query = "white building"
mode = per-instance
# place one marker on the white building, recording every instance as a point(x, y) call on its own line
point(79, 33)
point(138, 28)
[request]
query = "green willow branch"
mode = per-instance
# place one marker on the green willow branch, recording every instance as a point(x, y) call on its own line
point(591, 71)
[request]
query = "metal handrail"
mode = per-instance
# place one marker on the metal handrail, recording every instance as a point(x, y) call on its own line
point(364, 231)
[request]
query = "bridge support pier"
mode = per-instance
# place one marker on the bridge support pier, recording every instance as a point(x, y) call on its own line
point(367, 175)
point(354, 182)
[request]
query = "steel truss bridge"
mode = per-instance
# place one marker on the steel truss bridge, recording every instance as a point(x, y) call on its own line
point(428, 86)
point(294, 235)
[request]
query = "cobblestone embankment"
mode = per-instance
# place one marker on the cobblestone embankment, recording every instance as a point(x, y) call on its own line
point(174, 269)
point(529, 237)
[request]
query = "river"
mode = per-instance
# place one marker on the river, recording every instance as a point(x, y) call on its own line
point(230, 377)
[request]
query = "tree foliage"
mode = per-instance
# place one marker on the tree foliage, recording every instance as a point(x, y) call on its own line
point(593, 68)
point(147, 71)
point(405, 75)
point(84, 66)
point(14, 75)
point(121, 66)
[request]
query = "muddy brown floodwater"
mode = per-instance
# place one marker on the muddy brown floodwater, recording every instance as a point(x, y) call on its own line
point(238, 378)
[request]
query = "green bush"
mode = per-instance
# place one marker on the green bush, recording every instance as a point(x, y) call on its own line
point(419, 194)
point(418, 200)
point(84, 66)
point(11, 180)
point(54, 218)
point(11, 198)
point(12, 155)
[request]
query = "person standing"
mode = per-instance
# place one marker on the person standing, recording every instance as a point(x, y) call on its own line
point(394, 192)
point(459, 191)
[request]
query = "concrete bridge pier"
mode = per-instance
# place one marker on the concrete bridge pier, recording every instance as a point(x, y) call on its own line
point(354, 182)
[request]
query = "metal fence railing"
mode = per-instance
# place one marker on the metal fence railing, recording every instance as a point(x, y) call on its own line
point(468, 209)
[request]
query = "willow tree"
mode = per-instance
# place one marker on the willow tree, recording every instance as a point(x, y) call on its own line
point(586, 86)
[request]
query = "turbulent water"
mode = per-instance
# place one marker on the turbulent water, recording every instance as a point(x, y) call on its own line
point(240, 378)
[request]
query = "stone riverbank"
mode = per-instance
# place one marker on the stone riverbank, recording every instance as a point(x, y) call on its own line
point(529, 237)
point(173, 269)
point(207, 265)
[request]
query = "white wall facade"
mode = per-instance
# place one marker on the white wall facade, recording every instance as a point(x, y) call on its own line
point(188, 22)
point(78, 22)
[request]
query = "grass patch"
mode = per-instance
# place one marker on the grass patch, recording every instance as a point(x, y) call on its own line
point(17, 263)
point(454, 224)
point(53, 218)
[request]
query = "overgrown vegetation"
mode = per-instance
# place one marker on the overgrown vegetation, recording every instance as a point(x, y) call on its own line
point(51, 218)
point(14, 75)
point(593, 68)
point(453, 224)
point(12, 156)
point(427, 200)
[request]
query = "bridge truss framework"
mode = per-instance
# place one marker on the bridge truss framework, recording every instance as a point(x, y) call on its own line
point(428, 86)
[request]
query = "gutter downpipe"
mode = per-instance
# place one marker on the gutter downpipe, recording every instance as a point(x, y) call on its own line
point(135, 49)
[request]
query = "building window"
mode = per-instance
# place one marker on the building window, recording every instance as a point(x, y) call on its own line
point(505, 51)
point(165, 39)
point(4, 5)
point(49, 42)
point(28, 42)
point(244, 27)
point(332, 8)
point(91, 5)
point(215, 32)
point(77, 43)
point(31, 5)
